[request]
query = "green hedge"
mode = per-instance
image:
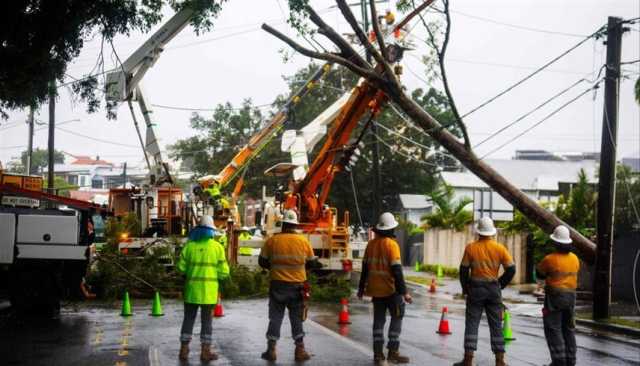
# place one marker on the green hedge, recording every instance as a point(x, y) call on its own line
point(447, 271)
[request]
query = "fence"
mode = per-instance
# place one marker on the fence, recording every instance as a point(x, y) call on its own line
point(446, 247)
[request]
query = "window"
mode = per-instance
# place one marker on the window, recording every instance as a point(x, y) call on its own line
point(97, 183)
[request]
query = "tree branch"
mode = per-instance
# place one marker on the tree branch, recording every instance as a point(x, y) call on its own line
point(376, 30)
point(362, 37)
point(363, 72)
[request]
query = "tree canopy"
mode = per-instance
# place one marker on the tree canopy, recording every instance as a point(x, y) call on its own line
point(38, 39)
point(406, 167)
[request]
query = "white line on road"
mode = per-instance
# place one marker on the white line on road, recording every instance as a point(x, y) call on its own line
point(352, 343)
point(154, 358)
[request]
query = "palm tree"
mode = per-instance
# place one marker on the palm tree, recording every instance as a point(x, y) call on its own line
point(449, 213)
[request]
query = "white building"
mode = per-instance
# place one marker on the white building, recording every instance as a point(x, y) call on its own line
point(414, 206)
point(541, 180)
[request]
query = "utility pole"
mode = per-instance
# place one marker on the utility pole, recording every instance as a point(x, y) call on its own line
point(124, 175)
point(607, 176)
point(52, 127)
point(377, 184)
point(30, 144)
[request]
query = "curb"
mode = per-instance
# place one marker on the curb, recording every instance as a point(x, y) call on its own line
point(619, 329)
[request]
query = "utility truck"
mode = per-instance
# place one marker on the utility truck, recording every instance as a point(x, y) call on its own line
point(45, 242)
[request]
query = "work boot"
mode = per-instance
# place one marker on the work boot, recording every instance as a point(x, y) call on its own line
point(500, 359)
point(378, 358)
point(207, 355)
point(396, 357)
point(270, 353)
point(300, 353)
point(467, 361)
point(184, 351)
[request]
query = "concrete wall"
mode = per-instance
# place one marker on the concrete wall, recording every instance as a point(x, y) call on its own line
point(446, 247)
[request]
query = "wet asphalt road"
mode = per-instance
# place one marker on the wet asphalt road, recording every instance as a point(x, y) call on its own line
point(95, 334)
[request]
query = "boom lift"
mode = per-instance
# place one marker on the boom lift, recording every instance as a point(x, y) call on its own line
point(159, 203)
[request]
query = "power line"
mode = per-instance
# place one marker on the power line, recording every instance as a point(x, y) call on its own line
point(97, 139)
point(540, 122)
point(517, 26)
point(192, 109)
point(521, 81)
point(557, 95)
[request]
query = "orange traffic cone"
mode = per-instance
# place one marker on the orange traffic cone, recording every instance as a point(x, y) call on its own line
point(343, 317)
point(444, 323)
point(218, 311)
point(432, 288)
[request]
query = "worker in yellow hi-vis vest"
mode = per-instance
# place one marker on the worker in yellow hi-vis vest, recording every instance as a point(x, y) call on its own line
point(244, 236)
point(560, 272)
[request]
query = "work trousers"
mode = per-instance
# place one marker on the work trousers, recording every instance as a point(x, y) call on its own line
point(483, 296)
point(559, 326)
point(190, 313)
point(285, 295)
point(395, 305)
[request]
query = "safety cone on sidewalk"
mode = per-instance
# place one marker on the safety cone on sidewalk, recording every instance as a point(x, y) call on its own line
point(443, 328)
point(432, 288)
point(439, 273)
point(343, 317)
point(417, 266)
point(126, 305)
point(218, 310)
point(156, 309)
point(507, 332)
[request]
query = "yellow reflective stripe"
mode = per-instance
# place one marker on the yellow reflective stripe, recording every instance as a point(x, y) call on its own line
point(558, 274)
point(396, 262)
point(201, 264)
point(375, 260)
point(380, 273)
point(484, 278)
point(287, 266)
point(288, 256)
point(202, 279)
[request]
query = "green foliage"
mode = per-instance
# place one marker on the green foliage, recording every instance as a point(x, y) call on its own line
point(449, 214)
point(330, 288)
point(637, 90)
point(627, 200)
point(245, 283)
point(409, 227)
point(447, 271)
point(33, 31)
point(117, 226)
point(39, 160)
point(61, 186)
point(222, 134)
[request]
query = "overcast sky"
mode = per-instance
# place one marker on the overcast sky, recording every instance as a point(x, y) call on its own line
point(237, 60)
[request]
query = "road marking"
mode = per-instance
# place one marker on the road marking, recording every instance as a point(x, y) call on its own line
point(121, 363)
point(350, 342)
point(154, 356)
point(123, 352)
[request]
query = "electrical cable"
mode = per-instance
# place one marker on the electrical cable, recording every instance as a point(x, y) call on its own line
point(355, 198)
point(527, 114)
point(529, 76)
point(540, 122)
point(97, 139)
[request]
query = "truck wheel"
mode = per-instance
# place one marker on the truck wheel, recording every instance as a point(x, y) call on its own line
point(34, 292)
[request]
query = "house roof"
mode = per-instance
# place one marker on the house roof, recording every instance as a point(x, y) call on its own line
point(87, 160)
point(528, 175)
point(415, 201)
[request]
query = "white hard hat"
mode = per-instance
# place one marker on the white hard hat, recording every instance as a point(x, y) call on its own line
point(561, 235)
point(290, 217)
point(206, 221)
point(244, 228)
point(485, 227)
point(387, 222)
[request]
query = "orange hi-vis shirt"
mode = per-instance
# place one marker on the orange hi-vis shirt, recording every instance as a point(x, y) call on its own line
point(560, 270)
point(380, 255)
point(484, 257)
point(288, 254)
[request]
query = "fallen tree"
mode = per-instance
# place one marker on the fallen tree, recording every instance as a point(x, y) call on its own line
point(383, 77)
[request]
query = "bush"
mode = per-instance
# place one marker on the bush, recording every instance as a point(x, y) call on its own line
point(447, 271)
point(245, 283)
point(329, 288)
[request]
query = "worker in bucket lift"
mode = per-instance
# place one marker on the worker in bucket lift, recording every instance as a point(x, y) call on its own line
point(203, 262)
point(483, 289)
point(560, 272)
point(287, 255)
point(244, 236)
point(382, 279)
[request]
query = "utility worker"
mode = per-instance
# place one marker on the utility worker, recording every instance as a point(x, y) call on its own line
point(203, 262)
point(560, 271)
point(244, 236)
point(483, 288)
point(382, 279)
point(221, 236)
point(287, 255)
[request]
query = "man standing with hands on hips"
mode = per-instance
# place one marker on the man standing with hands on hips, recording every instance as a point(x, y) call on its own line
point(382, 279)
